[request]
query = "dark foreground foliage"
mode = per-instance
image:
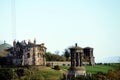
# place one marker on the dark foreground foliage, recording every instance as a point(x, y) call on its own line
point(46, 73)
point(6, 74)
point(56, 67)
point(31, 73)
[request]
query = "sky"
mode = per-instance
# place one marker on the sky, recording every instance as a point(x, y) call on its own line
point(62, 23)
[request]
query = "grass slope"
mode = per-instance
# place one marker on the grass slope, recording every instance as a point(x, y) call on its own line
point(47, 73)
point(98, 68)
point(94, 69)
point(42, 73)
point(4, 46)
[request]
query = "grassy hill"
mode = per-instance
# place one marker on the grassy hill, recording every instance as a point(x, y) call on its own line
point(4, 46)
point(36, 73)
point(96, 68)
point(47, 73)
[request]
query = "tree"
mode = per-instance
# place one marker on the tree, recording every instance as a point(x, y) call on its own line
point(48, 56)
point(66, 54)
point(54, 57)
point(6, 73)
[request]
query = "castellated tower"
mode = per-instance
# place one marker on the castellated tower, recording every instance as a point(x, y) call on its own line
point(14, 43)
point(88, 52)
point(23, 53)
point(34, 53)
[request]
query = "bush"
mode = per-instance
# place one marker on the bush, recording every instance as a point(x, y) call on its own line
point(56, 67)
point(6, 74)
point(48, 64)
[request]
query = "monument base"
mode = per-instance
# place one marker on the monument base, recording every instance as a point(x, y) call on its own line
point(76, 71)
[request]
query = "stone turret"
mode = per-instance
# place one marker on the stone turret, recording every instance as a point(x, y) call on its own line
point(76, 55)
point(88, 51)
point(14, 43)
point(35, 41)
point(34, 52)
point(29, 41)
point(76, 62)
point(23, 58)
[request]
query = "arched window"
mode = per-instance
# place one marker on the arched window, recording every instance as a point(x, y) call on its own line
point(28, 55)
point(38, 54)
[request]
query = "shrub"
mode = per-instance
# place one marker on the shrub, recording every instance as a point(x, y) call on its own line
point(56, 67)
point(6, 74)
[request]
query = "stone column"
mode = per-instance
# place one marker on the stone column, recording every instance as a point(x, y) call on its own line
point(77, 59)
point(80, 54)
point(34, 56)
point(44, 60)
point(72, 59)
point(23, 61)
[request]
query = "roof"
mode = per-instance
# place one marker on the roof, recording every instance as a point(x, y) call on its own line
point(24, 44)
point(75, 47)
point(4, 46)
point(88, 48)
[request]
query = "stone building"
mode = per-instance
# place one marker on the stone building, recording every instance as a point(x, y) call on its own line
point(81, 56)
point(23, 53)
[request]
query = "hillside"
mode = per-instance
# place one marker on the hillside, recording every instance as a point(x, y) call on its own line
point(95, 69)
point(2, 49)
point(47, 73)
point(33, 73)
point(4, 46)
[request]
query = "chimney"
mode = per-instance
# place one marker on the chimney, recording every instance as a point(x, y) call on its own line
point(14, 43)
point(75, 44)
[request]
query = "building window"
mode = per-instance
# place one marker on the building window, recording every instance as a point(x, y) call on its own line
point(38, 54)
point(28, 55)
point(28, 49)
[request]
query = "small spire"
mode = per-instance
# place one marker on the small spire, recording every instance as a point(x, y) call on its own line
point(15, 40)
point(24, 41)
point(75, 44)
point(29, 41)
point(14, 43)
point(34, 40)
point(4, 41)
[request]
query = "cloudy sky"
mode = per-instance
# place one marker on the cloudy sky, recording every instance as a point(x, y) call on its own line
point(62, 23)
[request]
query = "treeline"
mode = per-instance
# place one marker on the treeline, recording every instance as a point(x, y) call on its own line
point(56, 57)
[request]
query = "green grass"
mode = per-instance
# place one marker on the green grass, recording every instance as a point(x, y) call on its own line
point(47, 73)
point(64, 67)
point(94, 69)
point(43, 73)
point(98, 68)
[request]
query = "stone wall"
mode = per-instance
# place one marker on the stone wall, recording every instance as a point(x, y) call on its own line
point(63, 63)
